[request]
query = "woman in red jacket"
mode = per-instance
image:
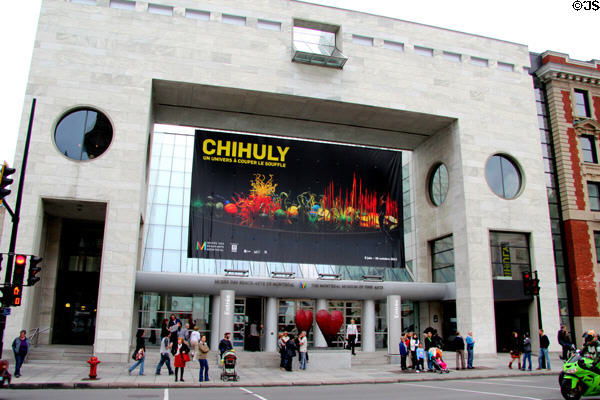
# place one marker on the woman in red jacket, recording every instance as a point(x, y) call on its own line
point(181, 353)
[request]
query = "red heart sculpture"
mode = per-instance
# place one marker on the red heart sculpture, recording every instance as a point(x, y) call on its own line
point(304, 320)
point(329, 324)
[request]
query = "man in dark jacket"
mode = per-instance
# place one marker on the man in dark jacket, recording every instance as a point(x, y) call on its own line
point(564, 340)
point(428, 344)
point(544, 344)
point(459, 346)
point(225, 344)
point(20, 347)
point(290, 353)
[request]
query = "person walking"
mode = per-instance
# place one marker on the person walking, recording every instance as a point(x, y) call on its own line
point(165, 359)
point(194, 340)
point(544, 343)
point(20, 347)
point(352, 335)
point(470, 347)
point(515, 350)
point(173, 326)
point(403, 353)
point(302, 349)
point(139, 354)
point(201, 356)
point(459, 346)
point(526, 351)
point(181, 355)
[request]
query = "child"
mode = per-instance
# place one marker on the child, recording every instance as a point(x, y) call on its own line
point(420, 358)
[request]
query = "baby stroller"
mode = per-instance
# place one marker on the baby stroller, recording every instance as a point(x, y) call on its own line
point(437, 362)
point(228, 362)
point(4, 374)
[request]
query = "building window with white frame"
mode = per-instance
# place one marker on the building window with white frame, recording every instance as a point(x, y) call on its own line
point(582, 105)
point(594, 195)
point(588, 149)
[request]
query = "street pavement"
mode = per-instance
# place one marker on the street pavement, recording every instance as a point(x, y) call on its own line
point(526, 387)
point(73, 374)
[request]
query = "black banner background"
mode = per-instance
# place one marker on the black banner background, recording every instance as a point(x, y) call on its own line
point(251, 199)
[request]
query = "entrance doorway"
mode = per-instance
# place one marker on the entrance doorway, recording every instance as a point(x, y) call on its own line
point(511, 316)
point(254, 318)
point(77, 280)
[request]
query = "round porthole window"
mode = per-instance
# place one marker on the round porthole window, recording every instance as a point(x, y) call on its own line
point(83, 134)
point(438, 184)
point(503, 176)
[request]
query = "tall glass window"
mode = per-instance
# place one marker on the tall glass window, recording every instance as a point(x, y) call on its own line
point(554, 206)
point(442, 259)
point(350, 310)
point(588, 149)
point(287, 315)
point(510, 255)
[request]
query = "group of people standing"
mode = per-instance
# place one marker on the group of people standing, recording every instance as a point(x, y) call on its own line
point(175, 340)
point(288, 346)
point(418, 351)
point(521, 345)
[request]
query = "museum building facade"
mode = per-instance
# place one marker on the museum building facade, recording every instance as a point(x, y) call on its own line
point(108, 190)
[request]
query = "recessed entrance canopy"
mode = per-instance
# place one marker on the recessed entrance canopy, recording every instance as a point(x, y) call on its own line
point(178, 103)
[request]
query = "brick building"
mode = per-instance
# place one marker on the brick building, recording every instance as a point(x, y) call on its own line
point(568, 97)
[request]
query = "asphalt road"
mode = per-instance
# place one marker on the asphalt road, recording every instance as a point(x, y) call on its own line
point(525, 387)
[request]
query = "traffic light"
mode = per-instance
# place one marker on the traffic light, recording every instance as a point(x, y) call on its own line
point(17, 292)
point(19, 270)
point(34, 270)
point(7, 296)
point(535, 285)
point(5, 180)
point(527, 284)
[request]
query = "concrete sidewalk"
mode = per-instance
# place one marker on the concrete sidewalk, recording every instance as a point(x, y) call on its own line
point(73, 374)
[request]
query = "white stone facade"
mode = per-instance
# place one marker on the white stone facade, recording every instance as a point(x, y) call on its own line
point(140, 68)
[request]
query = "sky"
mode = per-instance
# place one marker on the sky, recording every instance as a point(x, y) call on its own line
point(540, 24)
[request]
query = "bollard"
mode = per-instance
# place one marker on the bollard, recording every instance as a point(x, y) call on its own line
point(93, 361)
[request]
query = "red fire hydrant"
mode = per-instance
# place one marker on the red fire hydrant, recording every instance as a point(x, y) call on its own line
point(93, 361)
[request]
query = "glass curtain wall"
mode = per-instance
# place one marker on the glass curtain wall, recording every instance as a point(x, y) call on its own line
point(510, 255)
point(287, 315)
point(155, 308)
point(167, 217)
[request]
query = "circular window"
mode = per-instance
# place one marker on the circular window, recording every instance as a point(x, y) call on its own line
point(83, 134)
point(438, 185)
point(503, 176)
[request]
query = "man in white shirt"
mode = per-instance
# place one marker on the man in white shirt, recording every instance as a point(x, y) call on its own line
point(303, 341)
point(352, 335)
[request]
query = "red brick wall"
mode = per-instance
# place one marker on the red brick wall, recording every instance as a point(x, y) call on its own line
point(596, 101)
point(574, 152)
point(581, 269)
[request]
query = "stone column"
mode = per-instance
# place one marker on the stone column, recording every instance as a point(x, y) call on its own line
point(271, 324)
point(226, 309)
point(368, 326)
point(215, 308)
point(319, 338)
point(394, 323)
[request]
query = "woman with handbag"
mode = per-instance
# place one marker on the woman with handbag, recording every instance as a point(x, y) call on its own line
point(181, 355)
point(139, 354)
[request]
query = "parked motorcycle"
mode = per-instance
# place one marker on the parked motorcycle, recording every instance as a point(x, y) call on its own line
point(577, 379)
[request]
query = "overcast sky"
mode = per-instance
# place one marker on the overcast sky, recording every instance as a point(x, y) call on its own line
point(540, 24)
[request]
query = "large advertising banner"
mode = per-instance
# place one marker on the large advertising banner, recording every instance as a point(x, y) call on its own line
point(262, 198)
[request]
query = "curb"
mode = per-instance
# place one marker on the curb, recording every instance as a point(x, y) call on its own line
point(153, 385)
